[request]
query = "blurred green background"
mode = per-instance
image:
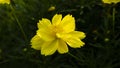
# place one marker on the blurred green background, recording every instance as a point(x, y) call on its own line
point(102, 49)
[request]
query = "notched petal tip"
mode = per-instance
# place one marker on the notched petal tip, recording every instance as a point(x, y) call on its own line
point(82, 35)
point(75, 42)
point(43, 23)
point(68, 23)
point(56, 19)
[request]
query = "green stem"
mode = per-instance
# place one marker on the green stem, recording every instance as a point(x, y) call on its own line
point(73, 56)
point(113, 20)
point(19, 24)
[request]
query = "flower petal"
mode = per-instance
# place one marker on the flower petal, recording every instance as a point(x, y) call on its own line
point(49, 48)
point(111, 1)
point(62, 47)
point(68, 23)
point(56, 19)
point(5, 1)
point(36, 42)
point(75, 42)
point(71, 40)
point(43, 23)
point(46, 34)
point(78, 34)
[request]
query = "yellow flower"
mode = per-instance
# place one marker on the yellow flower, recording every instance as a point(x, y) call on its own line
point(56, 35)
point(51, 8)
point(111, 1)
point(5, 1)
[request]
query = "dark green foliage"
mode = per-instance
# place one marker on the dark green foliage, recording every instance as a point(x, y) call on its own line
point(92, 17)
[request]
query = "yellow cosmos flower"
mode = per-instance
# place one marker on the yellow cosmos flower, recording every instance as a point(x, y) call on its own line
point(111, 1)
point(5, 1)
point(56, 35)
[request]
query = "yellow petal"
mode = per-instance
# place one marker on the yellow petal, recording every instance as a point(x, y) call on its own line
point(46, 34)
point(56, 19)
point(111, 1)
point(78, 34)
point(73, 34)
point(71, 40)
point(5, 1)
point(62, 47)
point(36, 42)
point(44, 23)
point(49, 47)
point(75, 42)
point(68, 23)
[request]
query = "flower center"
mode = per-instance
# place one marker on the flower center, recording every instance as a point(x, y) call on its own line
point(56, 29)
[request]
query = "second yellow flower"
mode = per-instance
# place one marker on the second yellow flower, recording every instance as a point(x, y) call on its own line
point(56, 35)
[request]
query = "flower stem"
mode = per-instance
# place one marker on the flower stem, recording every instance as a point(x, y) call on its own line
point(113, 20)
point(73, 56)
point(19, 24)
